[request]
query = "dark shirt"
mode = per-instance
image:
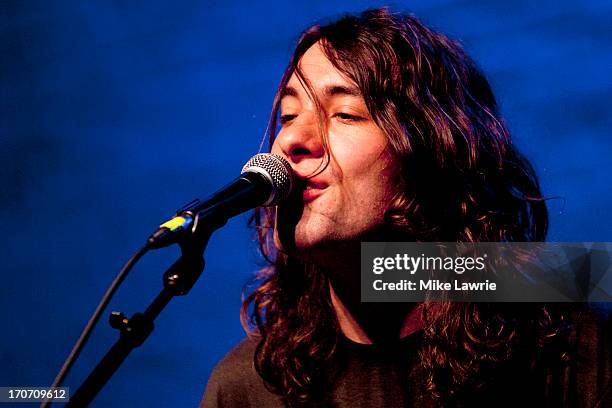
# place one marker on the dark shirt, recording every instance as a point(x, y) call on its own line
point(391, 376)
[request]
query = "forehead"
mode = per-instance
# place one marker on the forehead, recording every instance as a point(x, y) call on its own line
point(318, 70)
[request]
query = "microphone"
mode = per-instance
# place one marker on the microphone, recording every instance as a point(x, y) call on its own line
point(266, 180)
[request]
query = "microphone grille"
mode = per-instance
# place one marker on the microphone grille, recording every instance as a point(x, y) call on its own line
point(278, 172)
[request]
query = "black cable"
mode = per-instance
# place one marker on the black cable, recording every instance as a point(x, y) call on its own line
point(78, 346)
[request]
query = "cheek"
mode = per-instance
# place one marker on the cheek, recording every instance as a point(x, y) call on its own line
point(372, 166)
point(359, 151)
point(371, 180)
point(276, 148)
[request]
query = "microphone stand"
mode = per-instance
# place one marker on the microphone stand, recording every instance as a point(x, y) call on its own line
point(265, 180)
point(178, 281)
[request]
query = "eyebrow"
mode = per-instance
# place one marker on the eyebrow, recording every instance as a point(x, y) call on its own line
point(342, 90)
point(329, 91)
point(288, 91)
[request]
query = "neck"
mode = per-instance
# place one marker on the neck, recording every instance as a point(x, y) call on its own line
point(362, 322)
point(369, 323)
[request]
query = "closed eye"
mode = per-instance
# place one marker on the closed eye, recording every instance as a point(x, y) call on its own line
point(348, 117)
point(286, 118)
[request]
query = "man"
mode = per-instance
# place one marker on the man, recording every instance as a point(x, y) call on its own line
point(394, 134)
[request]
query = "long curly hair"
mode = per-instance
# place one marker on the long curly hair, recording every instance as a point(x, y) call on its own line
point(464, 182)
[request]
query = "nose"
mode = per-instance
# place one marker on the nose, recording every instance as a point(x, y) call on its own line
point(301, 141)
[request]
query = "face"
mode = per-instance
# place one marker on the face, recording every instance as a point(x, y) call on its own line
point(348, 198)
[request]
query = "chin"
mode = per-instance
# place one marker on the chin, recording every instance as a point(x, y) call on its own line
point(327, 250)
point(305, 241)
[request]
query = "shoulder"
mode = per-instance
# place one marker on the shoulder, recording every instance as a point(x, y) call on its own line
point(239, 360)
point(592, 326)
point(234, 382)
point(592, 347)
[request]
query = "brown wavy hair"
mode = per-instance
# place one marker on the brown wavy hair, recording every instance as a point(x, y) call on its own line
point(464, 182)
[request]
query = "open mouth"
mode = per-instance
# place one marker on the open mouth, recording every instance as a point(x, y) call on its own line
point(312, 190)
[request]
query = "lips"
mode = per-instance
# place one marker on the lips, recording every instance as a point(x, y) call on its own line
point(313, 189)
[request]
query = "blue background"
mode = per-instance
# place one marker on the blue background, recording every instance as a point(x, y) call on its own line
point(116, 113)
